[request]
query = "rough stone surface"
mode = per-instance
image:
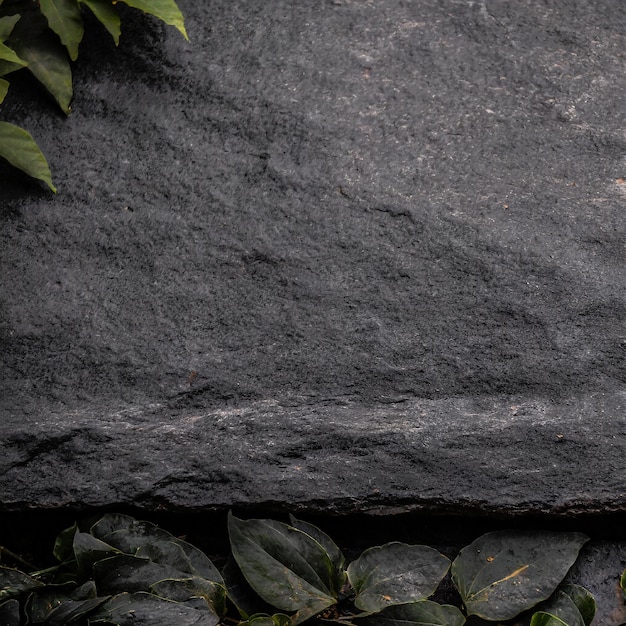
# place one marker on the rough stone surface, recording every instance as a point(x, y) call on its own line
point(333, 255)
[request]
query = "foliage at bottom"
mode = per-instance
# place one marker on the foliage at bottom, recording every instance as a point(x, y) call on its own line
point(124, 571)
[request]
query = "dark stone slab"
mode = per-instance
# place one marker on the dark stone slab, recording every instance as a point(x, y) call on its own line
point(340, 255)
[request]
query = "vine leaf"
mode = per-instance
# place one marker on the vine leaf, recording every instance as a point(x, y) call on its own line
point(19, 148)
point(106, 13)
point(65, 20)
point(504, 573)
point(396, 573)
point(285, 566)
point(423, 613)
point(165, 10)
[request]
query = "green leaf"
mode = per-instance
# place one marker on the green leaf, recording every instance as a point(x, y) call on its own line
point(33, 41)
point(131, 609)
point(283, 565)
point(65, 20)
point(64, 544)
point(8, 56)
point(504, 573)
point(13, 582)
point(7, 24)
point(545, 619)
point(562, 606)
point(4, 88)
point(337, 559)
point(20, 150)
point(423, 613)
point(584, 601)
point(165, 10)
point(395, 573)
point(107, 15)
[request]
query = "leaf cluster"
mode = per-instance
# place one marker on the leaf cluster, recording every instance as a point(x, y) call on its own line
point(43, 36)
point(123, 571)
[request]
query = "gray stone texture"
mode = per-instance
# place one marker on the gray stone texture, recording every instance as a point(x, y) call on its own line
point(333, 255)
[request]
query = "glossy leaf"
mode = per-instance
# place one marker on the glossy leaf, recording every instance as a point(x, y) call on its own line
point(264, 619)
point(20, 150)
point(4, 88)
point(337, 559)
point(424, 613)
point(165, 10)
point(64, 544)
point(246, 600)
point(504, 573)
point(65, 20)
point(106, 13)
point(396, 573)
point(130, 609)
point(13, 582)
point(584, 601)
point(47, 59)
point(282, 564)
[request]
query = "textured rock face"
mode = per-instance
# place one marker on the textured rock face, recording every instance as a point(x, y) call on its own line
point(340, 254)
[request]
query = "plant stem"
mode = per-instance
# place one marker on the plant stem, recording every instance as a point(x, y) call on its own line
point(17, 558)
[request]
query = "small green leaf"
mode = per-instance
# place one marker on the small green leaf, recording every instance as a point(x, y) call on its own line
point(423, 613)
point(8, 56)
point(545, 619)
point(64, 544)
point(396, 573)
point(33, 42)
point(65, 20)
point(106, 13)
point(264, 619)
point(7, 24)
point(4, 88)
point(165, 10)
point(20, 150)
point(283, 565)
point(584, 601)
point(504, 573)
point(13, 583)
point(562, 606)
